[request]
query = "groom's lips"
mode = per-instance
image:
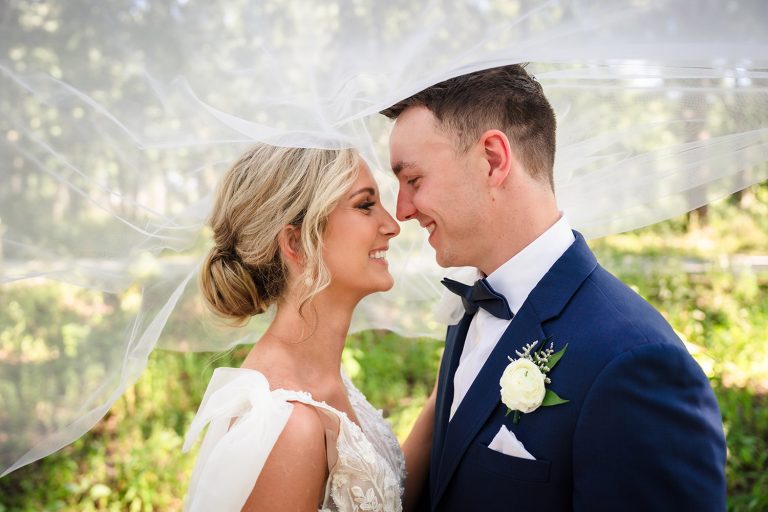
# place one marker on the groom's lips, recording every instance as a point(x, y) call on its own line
point(430, 230)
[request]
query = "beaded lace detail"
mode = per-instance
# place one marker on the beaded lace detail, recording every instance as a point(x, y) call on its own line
point(369, 474)
point(378, 430)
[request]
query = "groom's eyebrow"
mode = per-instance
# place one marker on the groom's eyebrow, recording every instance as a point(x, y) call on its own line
point(368, 190)
point(399, 166)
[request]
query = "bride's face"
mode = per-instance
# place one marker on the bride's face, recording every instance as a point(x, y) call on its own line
point(356, 240)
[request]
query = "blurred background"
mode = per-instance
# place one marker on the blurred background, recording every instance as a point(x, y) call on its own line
point(117, 118)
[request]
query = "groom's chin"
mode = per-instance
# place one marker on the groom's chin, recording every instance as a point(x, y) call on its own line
point(446, 260)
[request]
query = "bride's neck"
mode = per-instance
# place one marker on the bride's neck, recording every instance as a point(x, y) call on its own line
point(306, 343)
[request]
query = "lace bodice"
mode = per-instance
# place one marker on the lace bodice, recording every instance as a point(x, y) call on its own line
point(366, 471)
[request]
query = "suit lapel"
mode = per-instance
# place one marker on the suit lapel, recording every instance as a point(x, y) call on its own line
point(454, 344)
point(546, 301)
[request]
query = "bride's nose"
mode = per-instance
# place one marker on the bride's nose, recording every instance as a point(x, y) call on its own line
point(389, 226)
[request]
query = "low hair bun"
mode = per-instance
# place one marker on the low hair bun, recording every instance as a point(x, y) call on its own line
point(229, 287)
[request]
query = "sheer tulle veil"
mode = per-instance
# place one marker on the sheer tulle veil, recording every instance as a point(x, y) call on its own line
point(118, 117)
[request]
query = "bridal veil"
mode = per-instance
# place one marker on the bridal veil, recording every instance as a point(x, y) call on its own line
point(117, 117)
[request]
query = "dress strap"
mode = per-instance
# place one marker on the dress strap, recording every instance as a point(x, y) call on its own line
point(305, 397)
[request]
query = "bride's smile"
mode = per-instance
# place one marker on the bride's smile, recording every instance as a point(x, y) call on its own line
point(357, 238)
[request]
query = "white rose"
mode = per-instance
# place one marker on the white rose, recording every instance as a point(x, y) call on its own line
point(522, 386)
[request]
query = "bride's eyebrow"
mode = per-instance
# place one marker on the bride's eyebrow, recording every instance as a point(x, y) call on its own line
point(367, 190)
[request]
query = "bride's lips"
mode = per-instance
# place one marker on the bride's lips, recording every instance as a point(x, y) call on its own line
point(379, 256)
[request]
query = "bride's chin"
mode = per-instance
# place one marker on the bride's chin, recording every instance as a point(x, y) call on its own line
point(382, 285)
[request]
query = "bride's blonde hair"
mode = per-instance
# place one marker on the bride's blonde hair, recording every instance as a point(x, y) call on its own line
point(269, 188)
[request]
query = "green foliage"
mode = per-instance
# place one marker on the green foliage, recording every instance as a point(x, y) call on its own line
point(396, 374)
point(737, 224)
point(745, 419)
point(132, 459)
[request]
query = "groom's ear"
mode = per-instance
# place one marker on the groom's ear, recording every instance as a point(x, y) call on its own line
point(498, 155)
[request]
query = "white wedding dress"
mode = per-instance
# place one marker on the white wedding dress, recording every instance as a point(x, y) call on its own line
point(365, 463)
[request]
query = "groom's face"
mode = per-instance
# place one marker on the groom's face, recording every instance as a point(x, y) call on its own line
point(438, 186)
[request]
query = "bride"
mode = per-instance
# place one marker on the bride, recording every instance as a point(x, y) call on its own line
point(303, 230)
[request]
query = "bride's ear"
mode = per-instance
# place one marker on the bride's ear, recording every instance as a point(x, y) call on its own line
point(289, 241)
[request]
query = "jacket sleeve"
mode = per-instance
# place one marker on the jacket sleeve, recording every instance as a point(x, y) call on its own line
point(650, 436)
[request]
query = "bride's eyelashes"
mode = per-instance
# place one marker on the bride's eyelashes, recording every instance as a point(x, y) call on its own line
point(366, 206)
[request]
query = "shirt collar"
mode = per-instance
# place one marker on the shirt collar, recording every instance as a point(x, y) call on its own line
point(518, 276)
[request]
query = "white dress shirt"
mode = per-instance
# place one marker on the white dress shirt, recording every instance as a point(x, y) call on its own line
point(515, 280)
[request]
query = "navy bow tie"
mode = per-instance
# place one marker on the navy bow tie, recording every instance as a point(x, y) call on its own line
point(480, 295)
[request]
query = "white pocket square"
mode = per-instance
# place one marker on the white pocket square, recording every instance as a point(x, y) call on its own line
point(505, 442)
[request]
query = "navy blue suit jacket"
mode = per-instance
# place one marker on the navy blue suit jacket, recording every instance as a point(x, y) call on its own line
point(641, 431)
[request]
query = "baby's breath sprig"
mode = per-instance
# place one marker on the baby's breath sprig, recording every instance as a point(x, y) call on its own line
point(540, 357)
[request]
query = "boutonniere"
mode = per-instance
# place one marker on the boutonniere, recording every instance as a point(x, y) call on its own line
point(523, 383)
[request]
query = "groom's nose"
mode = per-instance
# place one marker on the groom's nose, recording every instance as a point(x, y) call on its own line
point(405, 209)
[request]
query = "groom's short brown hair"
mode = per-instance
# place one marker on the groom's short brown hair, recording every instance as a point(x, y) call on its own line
point(506, 98)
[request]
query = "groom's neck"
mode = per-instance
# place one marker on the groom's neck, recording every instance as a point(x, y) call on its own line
point(517, 222)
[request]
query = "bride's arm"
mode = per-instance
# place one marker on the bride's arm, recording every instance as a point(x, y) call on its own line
point(294, 475)
point(416, 449)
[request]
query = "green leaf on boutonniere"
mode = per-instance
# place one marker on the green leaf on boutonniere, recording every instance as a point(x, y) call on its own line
point(554, 358)
point(551, 398)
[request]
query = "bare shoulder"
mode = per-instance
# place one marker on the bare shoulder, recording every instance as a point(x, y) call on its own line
point(294, 475)
point(305, 430)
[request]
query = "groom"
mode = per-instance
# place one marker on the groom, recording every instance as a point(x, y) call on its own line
point(637, 426)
